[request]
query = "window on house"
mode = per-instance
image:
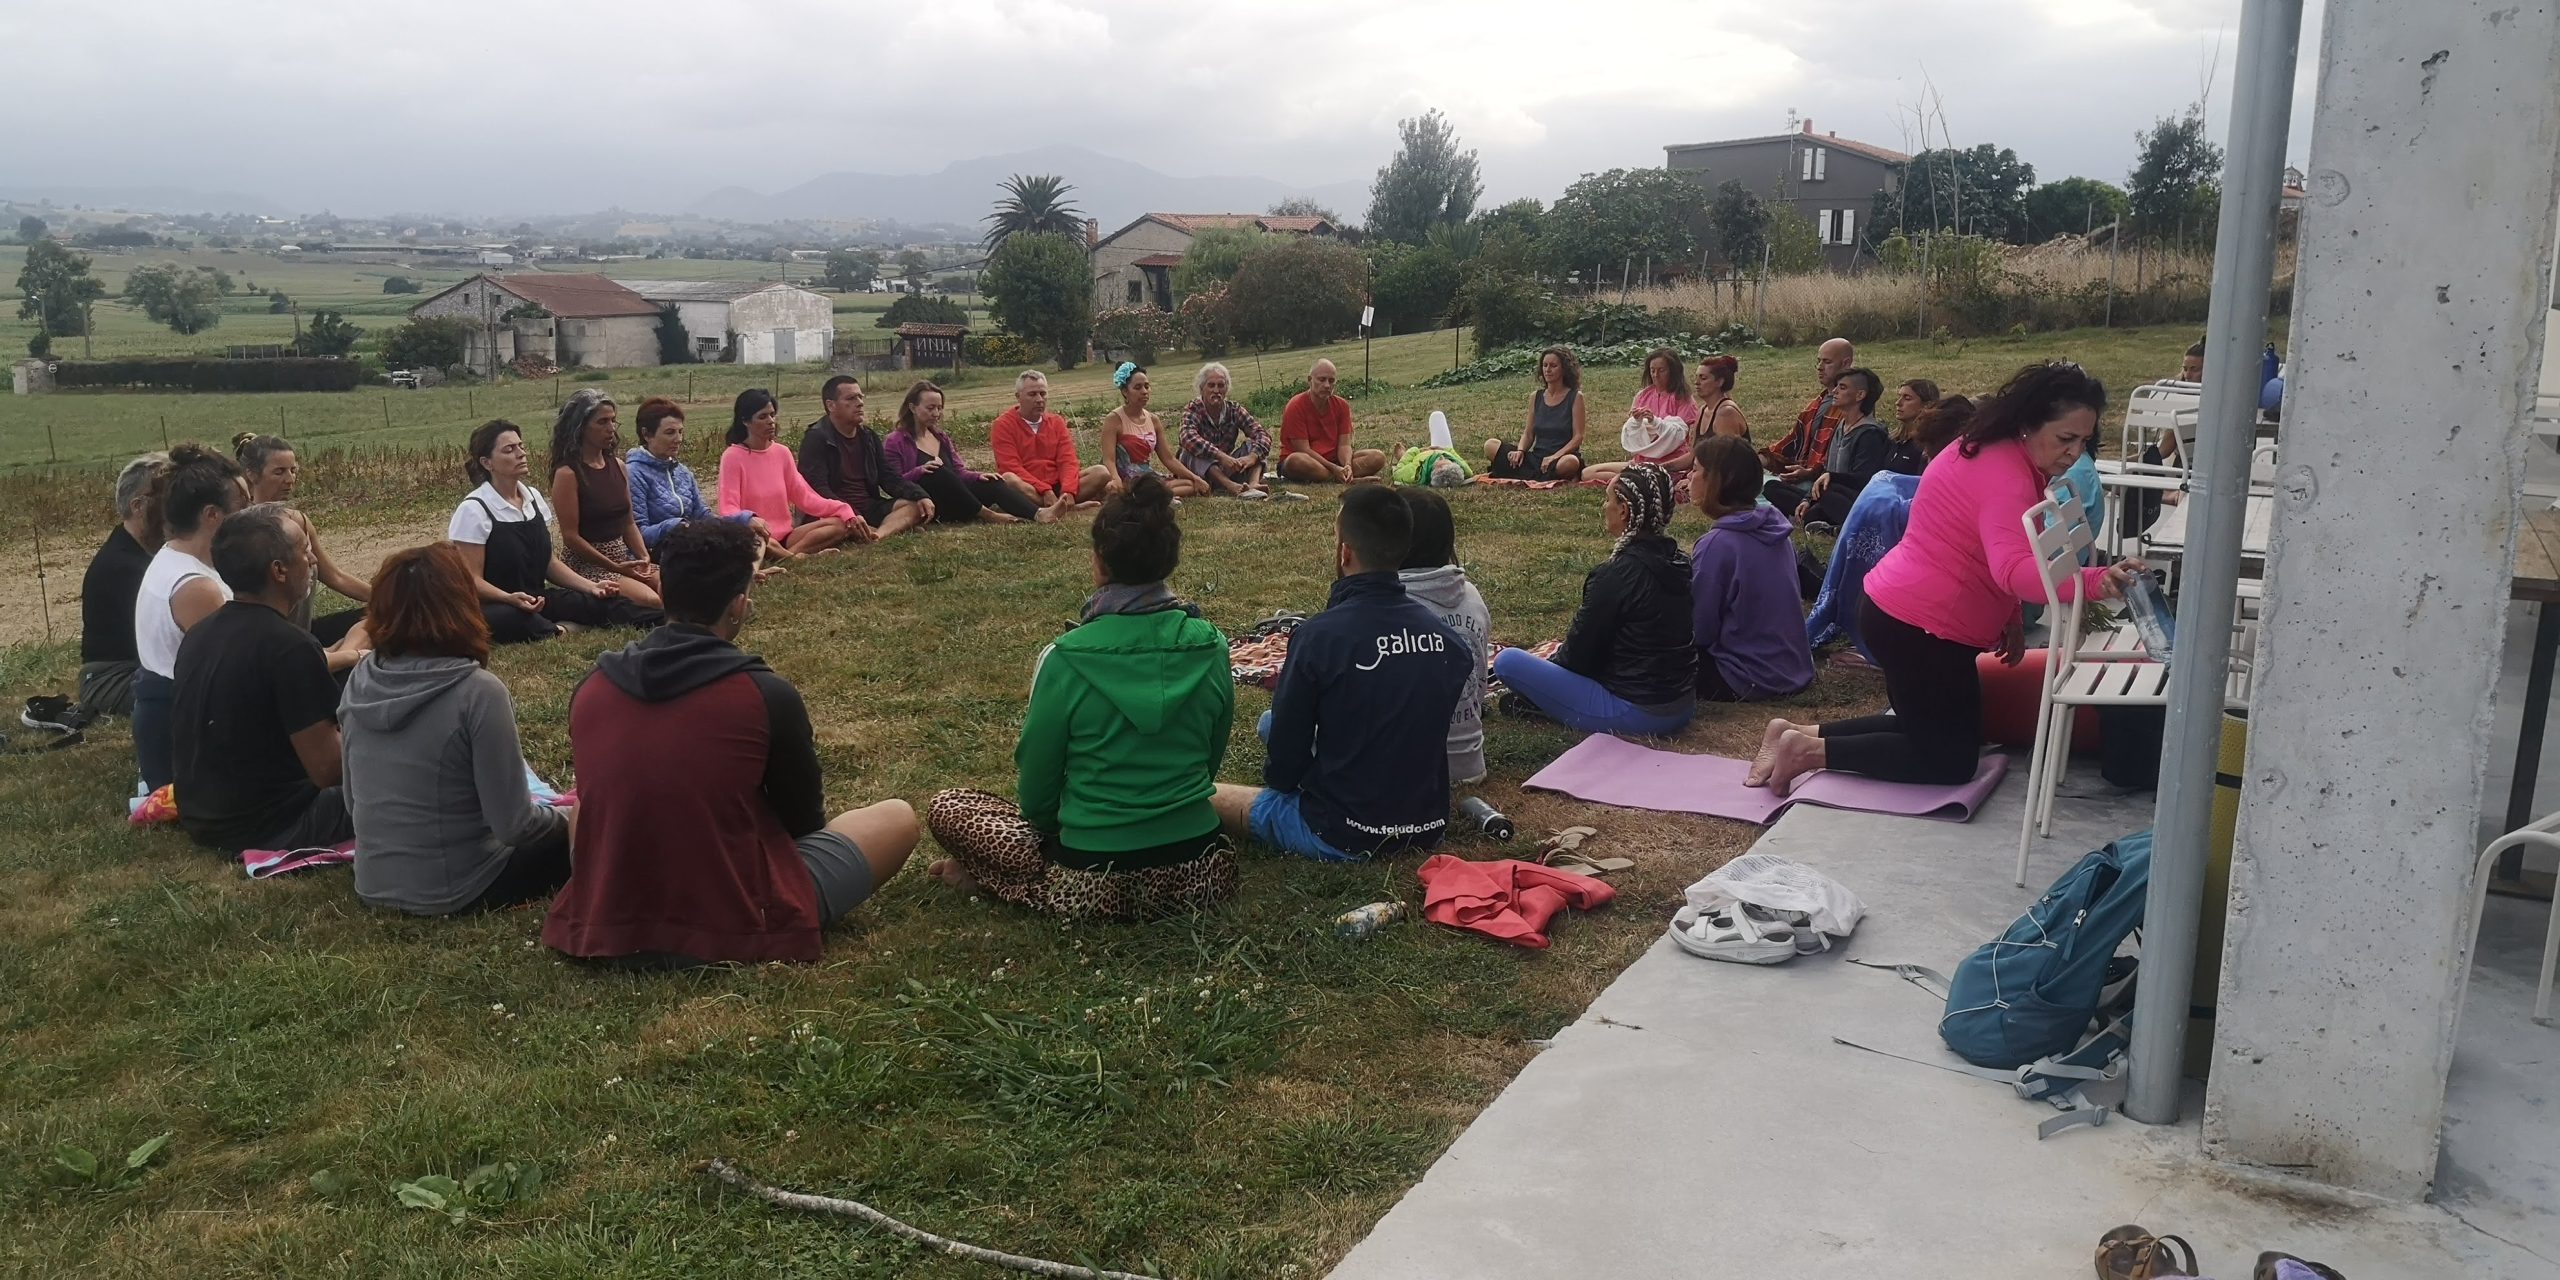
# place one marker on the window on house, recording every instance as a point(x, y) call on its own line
point(1848, 226)
point(1806, 172)
point(1137, 293)
point(1821, 161)
point(1822, 224)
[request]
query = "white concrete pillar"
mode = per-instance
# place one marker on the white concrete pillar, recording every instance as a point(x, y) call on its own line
point(2418, 312)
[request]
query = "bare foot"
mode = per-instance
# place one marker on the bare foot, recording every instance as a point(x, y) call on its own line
point(947, 870)
point(1759, 774)
point(1798, 754)
point(1047, 515)
point(1087, 506)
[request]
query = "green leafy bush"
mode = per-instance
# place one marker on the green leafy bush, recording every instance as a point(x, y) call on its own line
point(922, 308)
point(1506, 310)
point(1207, 326)
point(427, 342)
point(1002, 350)
point(187, 373)
point(1144, 332)
point(1522, 360)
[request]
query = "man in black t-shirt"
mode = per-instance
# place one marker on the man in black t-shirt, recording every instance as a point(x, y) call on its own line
point(255, 715)
point(108, 658)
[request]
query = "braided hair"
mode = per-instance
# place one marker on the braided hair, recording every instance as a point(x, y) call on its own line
point(1646, 489)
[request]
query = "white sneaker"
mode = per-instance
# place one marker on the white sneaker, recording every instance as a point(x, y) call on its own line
point(1253, 495)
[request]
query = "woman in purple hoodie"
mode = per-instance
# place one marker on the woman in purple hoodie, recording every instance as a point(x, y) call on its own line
point(924, 455)
point(1742, 583)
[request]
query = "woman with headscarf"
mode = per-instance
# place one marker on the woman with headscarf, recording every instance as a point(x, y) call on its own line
point(1629, 662)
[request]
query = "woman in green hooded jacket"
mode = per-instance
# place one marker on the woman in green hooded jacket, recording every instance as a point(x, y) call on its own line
point(1120, 747)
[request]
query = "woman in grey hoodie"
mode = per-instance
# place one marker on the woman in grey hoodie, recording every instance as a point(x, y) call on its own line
point(1432, 576)
point(445, 817)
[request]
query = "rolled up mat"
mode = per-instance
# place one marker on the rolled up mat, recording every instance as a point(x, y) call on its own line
point(2009, 697)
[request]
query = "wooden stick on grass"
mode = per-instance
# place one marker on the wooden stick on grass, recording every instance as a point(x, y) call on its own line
point(731, 1174)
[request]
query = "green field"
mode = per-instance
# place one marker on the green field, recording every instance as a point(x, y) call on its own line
point(317, 282)
point(1230, 1096)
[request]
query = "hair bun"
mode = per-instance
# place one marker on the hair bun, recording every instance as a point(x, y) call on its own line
point(243, 438)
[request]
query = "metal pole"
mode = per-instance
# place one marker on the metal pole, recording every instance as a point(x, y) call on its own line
point(2243, 276)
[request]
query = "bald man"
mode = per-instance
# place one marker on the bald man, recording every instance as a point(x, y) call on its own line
point(1315, 436)
point(1793, 462)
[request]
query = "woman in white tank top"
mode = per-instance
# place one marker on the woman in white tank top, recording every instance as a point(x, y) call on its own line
point(179, 590)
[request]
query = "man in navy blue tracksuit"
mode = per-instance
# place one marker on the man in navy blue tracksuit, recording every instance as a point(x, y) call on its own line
point(1359, 723)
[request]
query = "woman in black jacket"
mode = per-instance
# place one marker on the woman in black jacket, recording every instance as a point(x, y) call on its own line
point(1629, 664)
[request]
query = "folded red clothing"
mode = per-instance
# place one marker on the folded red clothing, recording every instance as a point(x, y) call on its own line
point(1510, 900)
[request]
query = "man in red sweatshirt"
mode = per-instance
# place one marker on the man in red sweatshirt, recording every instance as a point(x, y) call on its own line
point(701, 832)
point(1036, 452)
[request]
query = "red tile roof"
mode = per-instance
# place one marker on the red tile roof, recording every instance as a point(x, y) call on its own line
point(578, 295)
point(1160, 260)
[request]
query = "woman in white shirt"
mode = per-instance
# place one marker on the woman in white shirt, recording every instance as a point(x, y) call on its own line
point(179, 590)
point(503, 529)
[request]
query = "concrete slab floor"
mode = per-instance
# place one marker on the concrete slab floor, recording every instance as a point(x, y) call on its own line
point(1697, 1120)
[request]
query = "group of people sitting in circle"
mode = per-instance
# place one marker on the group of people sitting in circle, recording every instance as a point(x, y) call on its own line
point(383, 727)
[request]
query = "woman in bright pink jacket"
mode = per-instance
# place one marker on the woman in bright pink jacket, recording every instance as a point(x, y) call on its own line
point(1950, 590)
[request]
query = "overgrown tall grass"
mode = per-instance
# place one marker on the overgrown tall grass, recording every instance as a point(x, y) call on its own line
point(2031, 290)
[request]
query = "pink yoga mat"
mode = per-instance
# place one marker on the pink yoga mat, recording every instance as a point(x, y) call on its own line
point(1607, 770)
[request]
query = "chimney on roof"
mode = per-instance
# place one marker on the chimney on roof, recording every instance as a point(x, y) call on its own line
point(1835, 133)
point(1808, 126)
point(1092, 233)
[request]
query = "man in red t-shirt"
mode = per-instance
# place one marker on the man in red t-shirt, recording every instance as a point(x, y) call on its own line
point(1315, 436)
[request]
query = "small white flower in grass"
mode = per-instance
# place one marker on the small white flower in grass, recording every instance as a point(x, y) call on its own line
point(790, 1135)
point(611, 1081)
point(497, 1008)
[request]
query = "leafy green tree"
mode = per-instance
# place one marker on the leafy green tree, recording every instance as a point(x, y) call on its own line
point(1214, 255)
point(921, 308)
point(187, 299)
point(851, 270)
point(1303, 207)
point(1508, 235)
point(1031, 206)
point(675, 342)
point(1976, 191)
point(2071, 206)
point(1297, 291)
point(1623, 216)
point(2177, 181)
point(1429, 181)
point(400, 284)
point(329, 334)
point(1740, 224)
point(912, 267)
point(427, 342)
point(1413, 289)
point(55, 288)
point(1040, 287)
point(1795, 246)
point(30, 229)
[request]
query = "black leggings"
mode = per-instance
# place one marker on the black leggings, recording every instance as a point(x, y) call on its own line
point(1935, 732)
point(511, 625)
point(958, 501)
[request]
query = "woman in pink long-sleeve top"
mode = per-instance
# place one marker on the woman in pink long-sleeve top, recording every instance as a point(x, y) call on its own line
point(1950, 590)
point(762, 480)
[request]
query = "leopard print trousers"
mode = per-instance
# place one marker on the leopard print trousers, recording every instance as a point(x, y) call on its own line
point(1003, 854)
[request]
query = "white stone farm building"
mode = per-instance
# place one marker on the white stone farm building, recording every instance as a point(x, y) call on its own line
point(754, 321)
point(592, 322)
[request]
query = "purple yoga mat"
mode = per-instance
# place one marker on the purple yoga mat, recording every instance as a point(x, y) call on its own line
point(1607, 770)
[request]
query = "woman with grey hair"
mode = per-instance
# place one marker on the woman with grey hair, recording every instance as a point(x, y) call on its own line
point(599, 539)
point(1221, 443)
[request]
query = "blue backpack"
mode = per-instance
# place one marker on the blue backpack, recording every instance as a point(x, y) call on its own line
point(2023, 1006)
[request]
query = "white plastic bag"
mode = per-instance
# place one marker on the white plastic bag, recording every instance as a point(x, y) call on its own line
point(1781, 885)
point(1658, 438)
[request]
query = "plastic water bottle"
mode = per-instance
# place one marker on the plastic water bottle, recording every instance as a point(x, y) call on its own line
point(2151, 616)
point(1488, 819)
point(1365, 922)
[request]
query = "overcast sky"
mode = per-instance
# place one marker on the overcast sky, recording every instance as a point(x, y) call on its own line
point(573, 105)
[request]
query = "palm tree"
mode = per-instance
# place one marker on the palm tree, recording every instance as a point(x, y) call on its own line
point(1033, 204)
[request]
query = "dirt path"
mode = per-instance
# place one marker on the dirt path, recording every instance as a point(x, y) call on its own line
point(23, 608)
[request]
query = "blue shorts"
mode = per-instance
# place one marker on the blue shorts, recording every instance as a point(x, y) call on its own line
point(1275, 821)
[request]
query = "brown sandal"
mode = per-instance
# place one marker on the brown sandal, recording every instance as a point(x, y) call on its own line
point(2131, 1253)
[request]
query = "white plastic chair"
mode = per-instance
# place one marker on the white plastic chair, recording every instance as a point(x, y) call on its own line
point(2058, 532)
point(2545, 834)
point(2156, 407)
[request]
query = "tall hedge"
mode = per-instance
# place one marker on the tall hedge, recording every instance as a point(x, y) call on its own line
point(182, 373)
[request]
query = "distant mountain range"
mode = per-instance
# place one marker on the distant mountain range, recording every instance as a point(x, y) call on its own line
point(1110, 190)
point(148, 199)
